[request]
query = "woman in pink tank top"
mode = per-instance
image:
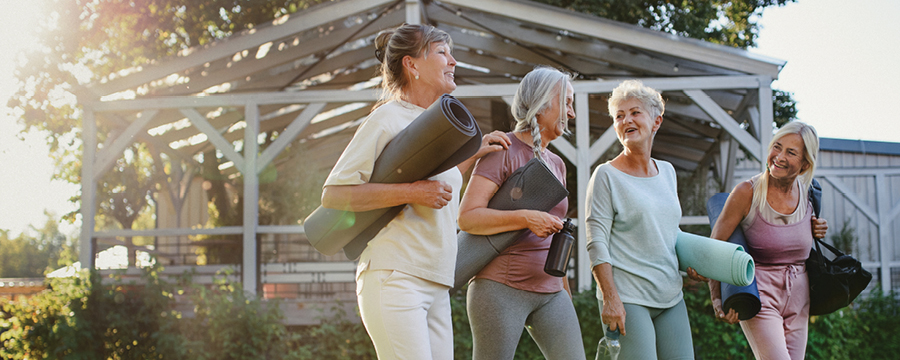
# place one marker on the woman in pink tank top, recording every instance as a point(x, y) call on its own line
point(773, 210)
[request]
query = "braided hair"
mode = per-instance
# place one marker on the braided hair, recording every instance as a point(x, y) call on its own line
point(536, 90)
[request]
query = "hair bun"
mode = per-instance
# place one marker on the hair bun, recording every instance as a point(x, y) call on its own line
point(379, 54)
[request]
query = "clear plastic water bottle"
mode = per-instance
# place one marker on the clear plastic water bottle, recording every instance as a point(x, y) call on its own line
point(609, 346)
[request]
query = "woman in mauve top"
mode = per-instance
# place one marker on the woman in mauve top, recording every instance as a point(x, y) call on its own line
point(774, 212)
point(513, 292)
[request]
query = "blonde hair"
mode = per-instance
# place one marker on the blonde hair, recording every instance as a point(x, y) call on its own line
point(634, 89)
point(534, 94)
point(392, 45)
point(810, 155)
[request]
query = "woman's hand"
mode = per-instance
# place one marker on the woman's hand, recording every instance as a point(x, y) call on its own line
point(819, 227)
point(542, 224)
point(715, 295)
point(493, 142)
point(613, 314)
point(695, 276)
point(431, 193)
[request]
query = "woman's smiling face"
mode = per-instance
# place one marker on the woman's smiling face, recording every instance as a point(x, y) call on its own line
point(633, 123)
point(437, 69)
point(786, 160)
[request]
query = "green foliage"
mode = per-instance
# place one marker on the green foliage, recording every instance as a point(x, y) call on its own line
point(845, 238)
point(230, 325)
point(335, 338)
point(712, 339)
point(36, 252)
point(785, 107)
point(728, 22)
point(86, 318)
point(82, 318)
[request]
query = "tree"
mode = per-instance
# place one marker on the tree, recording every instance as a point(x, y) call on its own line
point(35, 252)
point(727, 22)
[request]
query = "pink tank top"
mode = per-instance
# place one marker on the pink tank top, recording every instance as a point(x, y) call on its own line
point(775, 244)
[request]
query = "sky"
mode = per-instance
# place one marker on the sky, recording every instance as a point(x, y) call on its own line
point(841, 68)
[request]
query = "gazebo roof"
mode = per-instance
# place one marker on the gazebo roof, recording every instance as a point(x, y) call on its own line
point(496, 41)
point(329, 47)
point(306, 80)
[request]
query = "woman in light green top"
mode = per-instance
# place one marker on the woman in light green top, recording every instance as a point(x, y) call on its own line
point(632, 222)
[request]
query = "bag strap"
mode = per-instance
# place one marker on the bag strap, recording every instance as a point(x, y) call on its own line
point(815, 196)
point(833, 249)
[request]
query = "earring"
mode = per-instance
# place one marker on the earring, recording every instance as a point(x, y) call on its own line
point(417, 77)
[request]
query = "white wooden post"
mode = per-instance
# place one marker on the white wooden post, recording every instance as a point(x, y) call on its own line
point(885, 248)
point(766, 119)
point(413, 12)
point(88, 189)
point(583, 174)
point(251, 198)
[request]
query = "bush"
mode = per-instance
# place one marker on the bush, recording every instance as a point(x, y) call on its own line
point(81, 318)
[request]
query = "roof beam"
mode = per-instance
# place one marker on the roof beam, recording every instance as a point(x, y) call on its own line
point(285, 26)
point(726, 121)
point(638, 63)
point(691, 49)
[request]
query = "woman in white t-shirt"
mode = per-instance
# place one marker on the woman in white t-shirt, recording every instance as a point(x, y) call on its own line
point(406, 270)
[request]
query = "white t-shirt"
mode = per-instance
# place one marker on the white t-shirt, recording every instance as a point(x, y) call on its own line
point(420, 241)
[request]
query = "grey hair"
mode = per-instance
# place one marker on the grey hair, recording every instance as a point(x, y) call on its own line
point(535, 92)
point(810, 155)
point(392, 45)
point(635, 89)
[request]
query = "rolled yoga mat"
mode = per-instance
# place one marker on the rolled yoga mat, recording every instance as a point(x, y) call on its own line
point(532, 186)
point(743, 299)
point(440, 138)
point(714, 259)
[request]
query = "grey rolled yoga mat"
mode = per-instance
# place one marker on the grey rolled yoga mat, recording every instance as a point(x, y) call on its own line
point(714, 259)
point(440, 138)
point(743, 299)
point(532, 186)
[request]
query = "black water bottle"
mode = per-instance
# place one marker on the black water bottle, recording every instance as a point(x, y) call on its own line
point(560, 249)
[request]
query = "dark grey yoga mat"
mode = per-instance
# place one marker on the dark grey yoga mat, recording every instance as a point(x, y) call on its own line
point(440, 138)
point(532, 186)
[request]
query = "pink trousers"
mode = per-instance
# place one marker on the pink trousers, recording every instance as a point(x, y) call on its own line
point(779, 331)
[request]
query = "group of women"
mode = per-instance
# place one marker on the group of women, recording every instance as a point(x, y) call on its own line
point(405, 272)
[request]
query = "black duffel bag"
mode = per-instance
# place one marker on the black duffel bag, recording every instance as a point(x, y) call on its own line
point(833, 284)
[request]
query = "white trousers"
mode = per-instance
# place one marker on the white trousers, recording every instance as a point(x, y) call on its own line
point(406, 317)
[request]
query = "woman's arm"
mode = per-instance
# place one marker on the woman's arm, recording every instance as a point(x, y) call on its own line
point(371, 196)
point(736, 208)
point(476, 218)
point(613, 313)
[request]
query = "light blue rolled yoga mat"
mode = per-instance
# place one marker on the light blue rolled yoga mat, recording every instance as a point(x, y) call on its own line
point(715, 259)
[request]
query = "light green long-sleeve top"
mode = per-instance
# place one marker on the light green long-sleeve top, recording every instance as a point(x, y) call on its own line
point(632, 223)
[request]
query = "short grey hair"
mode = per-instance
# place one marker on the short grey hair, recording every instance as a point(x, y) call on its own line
point(635, 89)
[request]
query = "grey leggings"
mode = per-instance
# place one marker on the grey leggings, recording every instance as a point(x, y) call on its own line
point(656, 333)
point(497, 314)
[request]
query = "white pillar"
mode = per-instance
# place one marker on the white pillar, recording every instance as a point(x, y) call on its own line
point(251, 198)
point(583, 175)
point(885, 239)
point(766, 119)
point(413, 12)
point(88, 189)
